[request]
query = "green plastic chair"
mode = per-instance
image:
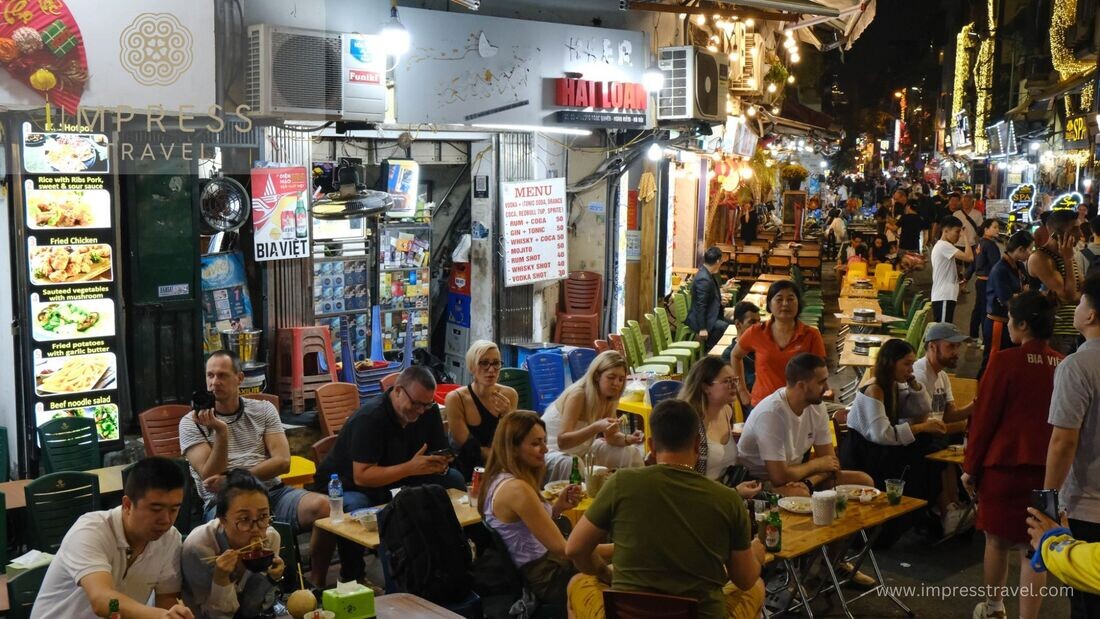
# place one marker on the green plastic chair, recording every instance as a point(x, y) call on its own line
point(518, 379)
point(684, 356)
point(632, 341)
point(69, 444)
point(289, 553)
point(916, 330)
point(901, 329)
point(54, 502)
point(22, 592)
point(664, 328)
point(680, 313)
point(673, 362)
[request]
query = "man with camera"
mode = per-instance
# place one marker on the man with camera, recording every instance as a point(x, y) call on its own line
point(226, 431)
point(394, 440)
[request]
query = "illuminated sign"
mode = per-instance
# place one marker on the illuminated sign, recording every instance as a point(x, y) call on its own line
point(1023, 195)
point(1067, 202)
point(599, 95)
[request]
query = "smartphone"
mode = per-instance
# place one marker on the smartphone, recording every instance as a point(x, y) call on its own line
point(202, 399)
point(446, 453)
point(1046, 501)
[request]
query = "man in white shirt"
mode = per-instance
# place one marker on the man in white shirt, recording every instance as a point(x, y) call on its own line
point(785, 425)
point(125, 554)
point(971, 219)
point(945, 275)
point(941, 352)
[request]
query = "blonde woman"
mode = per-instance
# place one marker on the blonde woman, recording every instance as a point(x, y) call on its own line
point(473, 411)
point(583, 420)
point(512, 506)
point(711, 390)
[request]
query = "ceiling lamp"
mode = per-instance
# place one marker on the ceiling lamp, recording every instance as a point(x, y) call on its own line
point(653, 80)
point(654, 152)
point(395, 37)
point(750, 23)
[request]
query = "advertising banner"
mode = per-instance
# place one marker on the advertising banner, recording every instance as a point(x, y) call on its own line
point(535, 220)
point(69, 269)
point(225, 302)
point(280, 213)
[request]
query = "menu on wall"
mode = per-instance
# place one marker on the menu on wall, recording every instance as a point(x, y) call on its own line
point(535, 221)
point(69, 272)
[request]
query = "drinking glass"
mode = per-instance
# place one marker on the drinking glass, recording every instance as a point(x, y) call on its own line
point(894, 490)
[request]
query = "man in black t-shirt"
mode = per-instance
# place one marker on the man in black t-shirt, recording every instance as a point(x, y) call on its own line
point(388, 443)
point(911, 227)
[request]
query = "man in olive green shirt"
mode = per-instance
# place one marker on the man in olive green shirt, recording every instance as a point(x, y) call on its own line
point(675, 531)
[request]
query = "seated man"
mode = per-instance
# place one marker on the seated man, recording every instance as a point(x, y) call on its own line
point(745, 315)
point(123, 554)
point(243, 433)
point(676, 532)
point(390, 442)
point(783, 427)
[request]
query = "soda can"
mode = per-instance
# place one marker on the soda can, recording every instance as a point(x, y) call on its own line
point(475, 482)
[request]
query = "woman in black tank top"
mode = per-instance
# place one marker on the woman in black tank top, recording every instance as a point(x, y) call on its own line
point(474, 411)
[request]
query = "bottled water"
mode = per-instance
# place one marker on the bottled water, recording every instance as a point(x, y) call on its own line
point(335, 499)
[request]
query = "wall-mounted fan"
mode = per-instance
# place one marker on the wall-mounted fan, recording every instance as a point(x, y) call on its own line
point(223, 205)
point(352, 200)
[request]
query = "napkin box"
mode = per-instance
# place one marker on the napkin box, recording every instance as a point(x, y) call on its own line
point(354, 605)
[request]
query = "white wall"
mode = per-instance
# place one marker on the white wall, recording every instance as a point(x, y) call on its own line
point(9, 411)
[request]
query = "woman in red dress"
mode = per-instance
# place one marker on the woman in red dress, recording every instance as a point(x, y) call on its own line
point(1007, 446)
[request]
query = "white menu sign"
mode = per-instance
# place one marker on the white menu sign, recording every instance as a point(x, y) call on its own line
point(534, 217)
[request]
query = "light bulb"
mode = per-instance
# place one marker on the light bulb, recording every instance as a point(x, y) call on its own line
point(789, 43)
point(790, 79)
point(395, 38)
point(749, 22)
point(801, 143)
point(795, 58)
point(712, 48)
point(824, 165)
point(771, 87)
point(731, 182)
point(655, 152)
point(734, 56)
point(682, 15)
point(746, 172)
point(775, 110)
point(700, 19)
point(653, 79)
point(1034, 146)
point(751, 82)
point(751, 111)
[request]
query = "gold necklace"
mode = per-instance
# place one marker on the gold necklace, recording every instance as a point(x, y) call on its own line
point(682, 466)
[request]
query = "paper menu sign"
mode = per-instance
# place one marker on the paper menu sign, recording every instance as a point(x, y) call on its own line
point(280, 213)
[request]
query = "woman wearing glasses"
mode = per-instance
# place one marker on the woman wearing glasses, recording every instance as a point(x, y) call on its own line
point(216, 582)
point(474, 411)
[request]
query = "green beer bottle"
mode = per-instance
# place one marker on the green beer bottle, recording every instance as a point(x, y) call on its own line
point(575, 474)
point(773, 528)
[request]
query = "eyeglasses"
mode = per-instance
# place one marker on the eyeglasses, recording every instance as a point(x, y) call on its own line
point(417, 403)
point(245, 525)
point(729, 382)
point(486, 364)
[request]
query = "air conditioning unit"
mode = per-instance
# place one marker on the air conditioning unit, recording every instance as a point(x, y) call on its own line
point(749, 80)
point(696, 84)
point(315, 75)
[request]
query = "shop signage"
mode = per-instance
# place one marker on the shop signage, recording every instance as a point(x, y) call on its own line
point(535, 219)
point(280, 213)
point(599, 119)
point(473, 68)
point(634, 245)
point(156, 55)
point(1076, 132)
point(1067, 202)
point(960, 131)
point(69, 271)
point(1022, 195)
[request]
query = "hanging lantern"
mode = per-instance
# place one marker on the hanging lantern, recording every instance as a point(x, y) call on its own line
point(45, 81)
point(731, 182)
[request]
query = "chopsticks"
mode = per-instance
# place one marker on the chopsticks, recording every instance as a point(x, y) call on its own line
point(258, 542)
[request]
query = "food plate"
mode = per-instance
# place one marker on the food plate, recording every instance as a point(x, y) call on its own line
point(797, 504)
point(49, 209)
point(106, 419)
point(73, 320)
point(75, 374)
point(855, 491)
point(63, 264)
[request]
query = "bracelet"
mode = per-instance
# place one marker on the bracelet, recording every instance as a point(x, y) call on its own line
point(272, 580)
point(809, 485)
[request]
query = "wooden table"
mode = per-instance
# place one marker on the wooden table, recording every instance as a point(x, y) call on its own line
point(110, 482)
point(850, 304)
point(723, 343)
point(407, 606)
point(773, 277)
point(751, 249)
point(849, 358)
point(352, 530)
point(760, 287)
point(802, 537)
point(848, 290)
point(950, 456)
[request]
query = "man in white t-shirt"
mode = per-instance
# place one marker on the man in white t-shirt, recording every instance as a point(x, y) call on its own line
point(945, 275)
point(971, 220)
point(125, 554)
point(785, 425)
point(941, 352)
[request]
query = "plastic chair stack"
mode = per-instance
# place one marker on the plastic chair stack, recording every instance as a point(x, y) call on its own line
point(294, 344)
point(369, 381)
point(579, 360)
point(520, 380)
point(160, 429)
point(579, 323)
point(546, 371)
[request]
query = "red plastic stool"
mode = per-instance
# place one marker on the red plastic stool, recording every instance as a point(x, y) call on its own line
point(294, 344)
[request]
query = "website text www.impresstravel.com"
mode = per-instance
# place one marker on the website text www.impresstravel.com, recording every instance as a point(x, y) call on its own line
point(981, 592)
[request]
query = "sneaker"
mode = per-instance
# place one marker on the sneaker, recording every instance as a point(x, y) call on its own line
point(980, 612)
point(951, 518)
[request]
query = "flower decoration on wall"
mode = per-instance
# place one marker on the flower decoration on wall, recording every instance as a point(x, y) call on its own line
point(41, 46)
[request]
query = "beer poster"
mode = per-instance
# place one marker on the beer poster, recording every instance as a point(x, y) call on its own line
point(280, 213)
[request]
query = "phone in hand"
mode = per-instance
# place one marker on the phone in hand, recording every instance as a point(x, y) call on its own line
point(202, 399)
point(446, 453)
point(1046, 501)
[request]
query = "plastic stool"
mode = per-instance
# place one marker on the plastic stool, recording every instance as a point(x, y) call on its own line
point(294, 344)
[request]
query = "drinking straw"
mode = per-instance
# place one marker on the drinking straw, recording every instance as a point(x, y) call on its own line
point(301, 581)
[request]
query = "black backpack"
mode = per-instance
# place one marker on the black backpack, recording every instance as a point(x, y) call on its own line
point(429, 554)
point(1093, 260)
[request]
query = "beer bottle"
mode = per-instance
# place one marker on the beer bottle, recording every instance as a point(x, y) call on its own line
point(112, 609)
point(301, 220)
point(575, 474)
point(773, 528)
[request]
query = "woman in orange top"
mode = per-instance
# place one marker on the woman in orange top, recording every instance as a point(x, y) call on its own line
point(774, 343)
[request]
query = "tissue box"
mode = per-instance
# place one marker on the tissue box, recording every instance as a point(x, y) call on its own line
point(28, 562)
point(349, 601)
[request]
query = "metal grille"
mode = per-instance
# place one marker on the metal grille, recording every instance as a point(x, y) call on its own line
point(515, 315)
point(673, 101)
point(294, 71)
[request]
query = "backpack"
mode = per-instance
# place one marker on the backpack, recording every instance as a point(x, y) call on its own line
point(429, 554)
point(1093, 260)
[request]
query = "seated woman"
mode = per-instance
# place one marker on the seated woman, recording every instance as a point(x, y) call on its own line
point(513, 506)
point(711, 390)
point(473, 411)
point(583, 420)
point(225, 588)
point(884, 435)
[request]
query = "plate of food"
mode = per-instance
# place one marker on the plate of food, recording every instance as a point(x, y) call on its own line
point(77, 374)
point(35, 139)
point(797, 504)
point(70, 153)
point(63, 264)
point(73, 320)
point(106, 419)
point(49, 209)
point(857, 492)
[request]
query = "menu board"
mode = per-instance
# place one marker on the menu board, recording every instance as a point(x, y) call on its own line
point(69, 272)
point(535, 219)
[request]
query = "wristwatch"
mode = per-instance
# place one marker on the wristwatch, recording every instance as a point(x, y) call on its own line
point(809, 485)
point(273, 581)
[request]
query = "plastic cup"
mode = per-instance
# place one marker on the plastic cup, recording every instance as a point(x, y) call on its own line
point(894, 489)
point(824, 507)
point(841, 503)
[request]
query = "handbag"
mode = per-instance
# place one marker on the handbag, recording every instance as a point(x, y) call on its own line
point(733, 475)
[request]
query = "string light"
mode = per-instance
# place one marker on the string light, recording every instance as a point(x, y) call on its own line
point(962, 67)
point(701, 20)
point(983, 82)
point(1063, 17)
point(790, 79)
point(795, 58)
point(771, 88)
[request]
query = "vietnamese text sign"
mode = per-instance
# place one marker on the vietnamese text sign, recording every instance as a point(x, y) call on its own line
point(534, 217)
point(280, 213)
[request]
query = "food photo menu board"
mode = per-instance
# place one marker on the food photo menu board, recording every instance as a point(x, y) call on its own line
point(74, 356)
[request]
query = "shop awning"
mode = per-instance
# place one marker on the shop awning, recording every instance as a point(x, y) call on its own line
point(1063, 87)
point(797, 119)
point(1037, 102)
point(836, 31)
point(803, 7)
